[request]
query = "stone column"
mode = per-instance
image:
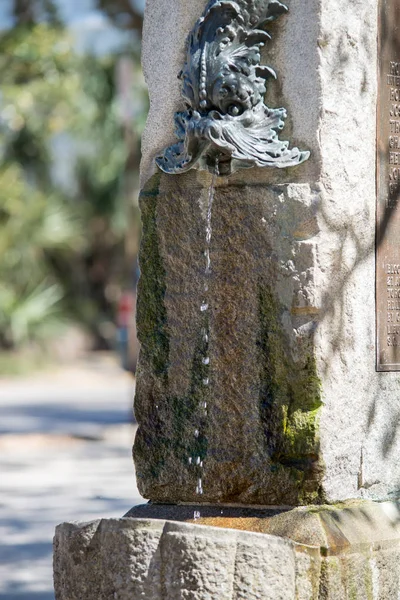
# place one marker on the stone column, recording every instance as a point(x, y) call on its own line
point(296, 412)
point(265, 391)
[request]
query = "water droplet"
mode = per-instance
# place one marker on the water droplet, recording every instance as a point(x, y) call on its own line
point(205, 306)
point(208, 261)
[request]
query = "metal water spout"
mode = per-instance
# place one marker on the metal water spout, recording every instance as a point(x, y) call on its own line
point(223, 88)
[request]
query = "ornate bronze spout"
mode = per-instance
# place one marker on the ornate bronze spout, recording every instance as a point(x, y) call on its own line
point(223, 86)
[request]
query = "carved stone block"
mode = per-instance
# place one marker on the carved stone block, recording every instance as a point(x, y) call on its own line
point(296, 411)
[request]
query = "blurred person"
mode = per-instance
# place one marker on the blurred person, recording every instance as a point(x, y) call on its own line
point(125, 316)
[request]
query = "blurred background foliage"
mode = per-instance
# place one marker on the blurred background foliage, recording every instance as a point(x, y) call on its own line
point(70, 127)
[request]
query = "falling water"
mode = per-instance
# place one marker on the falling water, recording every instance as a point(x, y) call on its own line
point(197, 461)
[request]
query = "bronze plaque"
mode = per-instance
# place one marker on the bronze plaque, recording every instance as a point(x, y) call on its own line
point(388, 189)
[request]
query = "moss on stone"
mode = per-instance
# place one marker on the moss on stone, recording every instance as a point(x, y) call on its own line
point(152, 376)
point(151, 311)
point(188, 413)
point(369, 586)
point(290, 400)
point(288, 390)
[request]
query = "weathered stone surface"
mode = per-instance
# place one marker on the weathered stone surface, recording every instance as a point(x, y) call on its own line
point(170, 561)
point(115, 558)
point(353, 524)
point(296, 413)
point(258, 439)
point(227, 516)
point(357, 557)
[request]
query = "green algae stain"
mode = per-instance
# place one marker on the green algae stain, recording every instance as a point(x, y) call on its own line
point(168, 423)
point(176, 439)
point(369, 586)
point(189, 414)
point(151, 311)
point(153, 335)
point(290, 402)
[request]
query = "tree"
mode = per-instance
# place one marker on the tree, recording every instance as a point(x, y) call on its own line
point(26, 12)
point(123, 13)
point(63, 250)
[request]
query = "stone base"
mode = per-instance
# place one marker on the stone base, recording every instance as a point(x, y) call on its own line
point(347, 552)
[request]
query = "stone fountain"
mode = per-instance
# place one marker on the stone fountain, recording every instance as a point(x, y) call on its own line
point(268, 441)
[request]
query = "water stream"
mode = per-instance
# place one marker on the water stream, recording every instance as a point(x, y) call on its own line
point(205, 332)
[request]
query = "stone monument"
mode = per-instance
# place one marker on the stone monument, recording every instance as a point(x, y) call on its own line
point(268, 391)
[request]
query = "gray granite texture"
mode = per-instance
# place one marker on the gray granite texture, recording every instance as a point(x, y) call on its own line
point(295, 411)
point(346, 553)
point(158, 560)
point(255, 427)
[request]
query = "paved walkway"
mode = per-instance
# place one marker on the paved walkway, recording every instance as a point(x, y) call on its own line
point(65, 455)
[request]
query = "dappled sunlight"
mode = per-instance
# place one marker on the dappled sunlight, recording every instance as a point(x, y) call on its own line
point(72, 108)
point(65, 446)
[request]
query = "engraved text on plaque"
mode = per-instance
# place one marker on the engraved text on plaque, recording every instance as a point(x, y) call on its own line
point(388, 189)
